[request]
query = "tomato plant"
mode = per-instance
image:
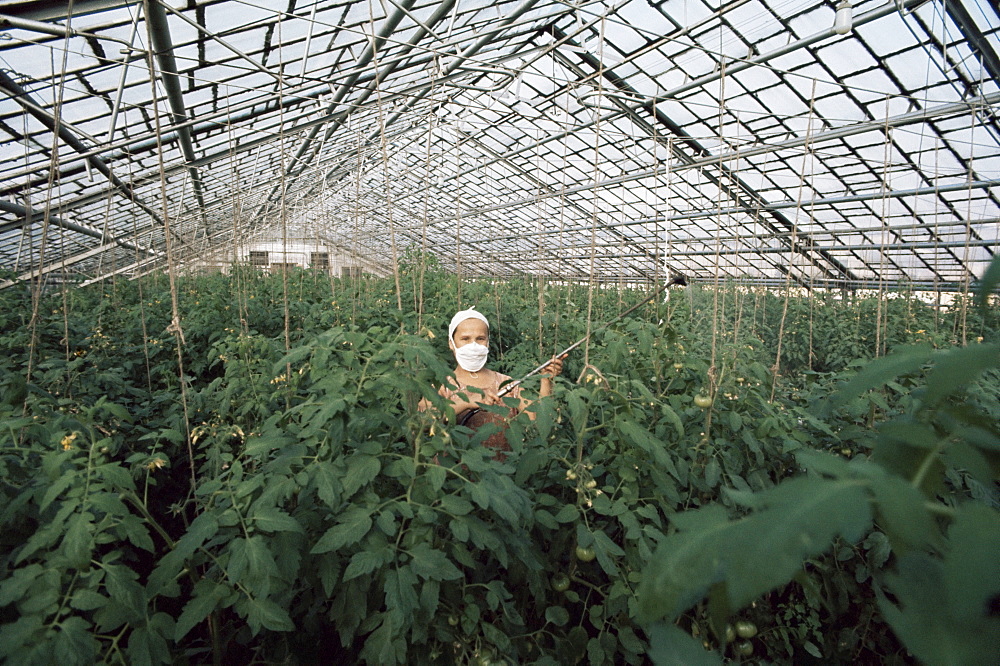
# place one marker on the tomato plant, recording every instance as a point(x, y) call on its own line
point(259, 485)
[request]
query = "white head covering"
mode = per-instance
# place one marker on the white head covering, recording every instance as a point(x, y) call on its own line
point(459, 317)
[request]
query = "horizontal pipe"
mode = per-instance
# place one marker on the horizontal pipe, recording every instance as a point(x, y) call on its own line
point(813, 203)
point(21, 211)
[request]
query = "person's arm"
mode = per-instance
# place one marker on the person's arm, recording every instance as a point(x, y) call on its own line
point(551, 370)
point(464, 399)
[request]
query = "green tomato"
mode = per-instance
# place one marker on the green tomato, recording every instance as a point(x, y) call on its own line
point(585, 554)
point(453, 620)
point(744, 648)
point(746, 629)
point(560, 582)
point(730, 633)
point(702, 400)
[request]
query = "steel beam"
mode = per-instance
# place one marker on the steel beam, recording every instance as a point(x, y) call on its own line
point(309, 145)
point(62, 130)
point(55, 10)
point(159, 30)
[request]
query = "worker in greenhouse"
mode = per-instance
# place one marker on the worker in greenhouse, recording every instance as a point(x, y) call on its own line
point(474, 385)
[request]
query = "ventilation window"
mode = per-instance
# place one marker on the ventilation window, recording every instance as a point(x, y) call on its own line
point(320, 260)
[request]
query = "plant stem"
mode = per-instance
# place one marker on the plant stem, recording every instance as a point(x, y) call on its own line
point(925, 465)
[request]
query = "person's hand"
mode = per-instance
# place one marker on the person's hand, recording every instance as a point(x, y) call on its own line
point(490, 397)
point(554, 367)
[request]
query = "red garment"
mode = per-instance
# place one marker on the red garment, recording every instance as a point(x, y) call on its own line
point(447, 392)
point(497, 441)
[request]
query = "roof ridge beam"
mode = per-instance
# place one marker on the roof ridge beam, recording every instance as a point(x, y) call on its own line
point(159, 30)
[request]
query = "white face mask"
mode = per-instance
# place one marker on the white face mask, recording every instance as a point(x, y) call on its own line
point(472, 357)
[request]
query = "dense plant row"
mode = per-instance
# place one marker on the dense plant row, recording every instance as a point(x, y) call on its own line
point(253, 481)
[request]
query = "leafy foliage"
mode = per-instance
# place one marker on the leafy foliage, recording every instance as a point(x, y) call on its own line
point(260, 485)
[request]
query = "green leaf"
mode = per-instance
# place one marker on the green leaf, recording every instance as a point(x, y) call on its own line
point(363, 563)
point(812, 649)
point(903, 513)
point(400, 590)
point(879, 371)
point(205, 598)
point(479, 494)
point(629, 640)
point(436, 475)
point(670, 646)
point(545, 416)
point(327, 483)
point(557, 615)
point(17, 583)
point(78, 544)
point(135, 531)
point(802, 518)
point(672, 418)
point(568, 513)
point(507, 500)
point(795, 520)
point(173, 435)
point(712, 473)
point(577, 411)
point(202, 528)
point(456, 506)
point(74, 643)
point(911, 432)
point(954, 368)
point(460, 530)
point(928, 624)
point(272, 519)
point(123, 588)
point(57, 488)
point(264, 613)
point(361, 470)
point(433, 564)
point(328, 568)
point(291, 358)
point(355, 523)
point(386, 522)
point(86, 599)
point(116, 410)
point(147, 645)
point(823, 463)
point(602, 542)
point(260, 565)
point(266, 442)
point(383, 646)
point(18, 635)
point(118, 478)
point(972, 570)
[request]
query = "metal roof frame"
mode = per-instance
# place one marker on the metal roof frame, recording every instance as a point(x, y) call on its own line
point(599, 139)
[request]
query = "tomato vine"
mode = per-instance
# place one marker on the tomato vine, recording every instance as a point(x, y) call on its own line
point(330, 518)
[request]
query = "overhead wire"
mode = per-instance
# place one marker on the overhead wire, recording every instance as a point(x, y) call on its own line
point(37, 284)
point(175, 327)
point(790, 268)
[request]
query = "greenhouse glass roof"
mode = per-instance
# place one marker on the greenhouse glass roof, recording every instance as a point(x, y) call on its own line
point(759, 140)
